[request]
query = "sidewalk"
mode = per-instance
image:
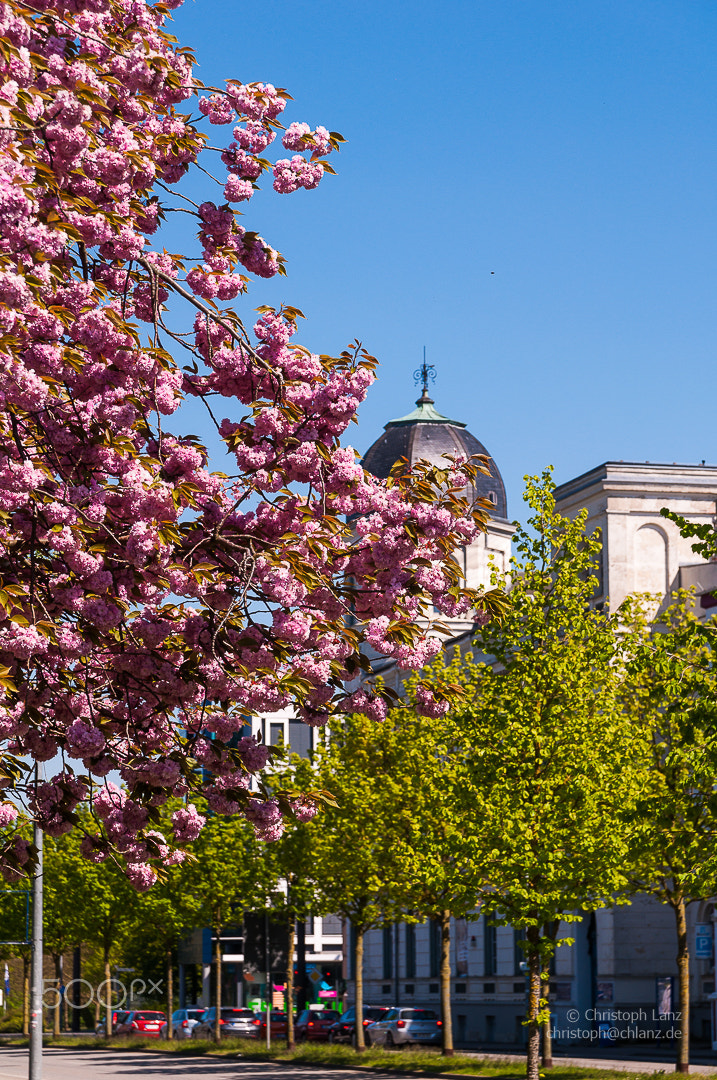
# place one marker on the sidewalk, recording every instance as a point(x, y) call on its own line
point(702, 1062)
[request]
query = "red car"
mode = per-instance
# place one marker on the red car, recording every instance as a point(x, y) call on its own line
point(278, 1026)
point(142, 1022)
point(313, 1025)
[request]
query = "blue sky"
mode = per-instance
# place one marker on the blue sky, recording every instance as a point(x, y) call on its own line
point(528, 190)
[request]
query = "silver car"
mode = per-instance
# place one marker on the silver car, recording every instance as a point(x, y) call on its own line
point(242, 1023)
point(183, 1023)
point(404, 1026)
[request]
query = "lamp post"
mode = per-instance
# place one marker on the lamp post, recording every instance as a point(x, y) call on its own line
point(35, 1064)
point(268, 980)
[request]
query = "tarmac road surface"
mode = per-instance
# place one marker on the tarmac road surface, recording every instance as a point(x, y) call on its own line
point(134, 1065)
point(67, 1064)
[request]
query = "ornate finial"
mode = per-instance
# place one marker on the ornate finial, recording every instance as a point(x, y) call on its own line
point(422, 375)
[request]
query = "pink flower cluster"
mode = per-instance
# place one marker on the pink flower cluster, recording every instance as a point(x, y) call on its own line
point(131, 573)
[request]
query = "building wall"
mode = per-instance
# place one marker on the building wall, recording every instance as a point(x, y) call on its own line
point(642, 551)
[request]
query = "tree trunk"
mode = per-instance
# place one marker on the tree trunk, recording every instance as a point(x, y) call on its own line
point(683, 979)
point(301, 994)
point(534, 995)
point(56, 1017)
point(290, 1040)
point(551, 932)
point(218, 994)
point(26, 995)
point(170, 992)
point(446, 1015)
point(358, 972)
point(108, 990)
point(77, 988)
point(545, 1010)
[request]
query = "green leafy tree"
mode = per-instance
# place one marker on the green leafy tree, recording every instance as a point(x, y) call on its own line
point(550, 767)
point(356, 876)
point(670, 691)
point(68, 906)
point(231, 874)
point(432, 851)
point(294, 860)
point(108, 902)
point(166, 914)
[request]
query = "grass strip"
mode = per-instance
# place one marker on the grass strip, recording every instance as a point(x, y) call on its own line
point(413, 1062)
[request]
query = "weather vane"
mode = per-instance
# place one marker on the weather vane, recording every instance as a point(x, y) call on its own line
point(424, 373)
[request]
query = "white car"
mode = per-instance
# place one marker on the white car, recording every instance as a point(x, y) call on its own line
point(183, 1023)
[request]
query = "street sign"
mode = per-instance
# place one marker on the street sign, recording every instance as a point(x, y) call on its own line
point(703, 941)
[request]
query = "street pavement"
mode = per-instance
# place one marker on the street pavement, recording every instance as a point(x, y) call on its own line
point(67, 1064)
point(115, 1065)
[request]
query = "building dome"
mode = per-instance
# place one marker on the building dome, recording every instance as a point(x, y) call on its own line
point(424, 433)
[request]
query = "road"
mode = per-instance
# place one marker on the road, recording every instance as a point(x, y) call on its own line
point(116, 1065)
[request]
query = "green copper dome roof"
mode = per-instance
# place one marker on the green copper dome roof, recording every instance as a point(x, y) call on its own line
point(425, 434)
point(424, 413)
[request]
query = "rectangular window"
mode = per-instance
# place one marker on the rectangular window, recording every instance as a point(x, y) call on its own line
point(518, 954)
point(490, 952)
point(331, 924)
point(388, 952)
point(410, 951)
point(276, 736)
point(434, 932)
point(299, 738)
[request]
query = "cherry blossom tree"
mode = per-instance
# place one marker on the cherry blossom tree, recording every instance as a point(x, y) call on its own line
point(148, 601)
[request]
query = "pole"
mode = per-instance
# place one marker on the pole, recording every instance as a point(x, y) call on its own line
point(268, 981)
point(35, 1067)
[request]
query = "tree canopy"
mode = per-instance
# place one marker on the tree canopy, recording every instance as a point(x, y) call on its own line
point(148, 602)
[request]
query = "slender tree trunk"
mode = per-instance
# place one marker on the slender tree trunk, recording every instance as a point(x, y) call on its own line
point(358, 972)
point(545, 1009)
point(218, 994)
point(534, 995)
point(446, 1015)
point(77, 988)
point(56, 1017)
point(301, 995)
point(551, 931)
point(26, 995)
point(108, 990)
point(170, 992)
point(290, 1040)
point(683, 979)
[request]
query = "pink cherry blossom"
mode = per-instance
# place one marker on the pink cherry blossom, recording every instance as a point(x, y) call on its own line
point(152, 601)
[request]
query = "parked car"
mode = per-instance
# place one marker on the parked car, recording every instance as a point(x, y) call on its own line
point(278, 1025)
point(183, 1022)
point(142, 1022)
point(401, 1027)
point(233, 1021)
point(117, 1017)
point(344, 1028)
point(313, 1025)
